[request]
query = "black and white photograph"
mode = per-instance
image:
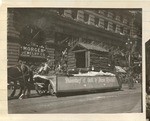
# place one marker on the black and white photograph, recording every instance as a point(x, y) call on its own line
point(74, 60)
point(147, 45)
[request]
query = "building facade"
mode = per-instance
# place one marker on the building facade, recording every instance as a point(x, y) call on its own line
point(84, 38)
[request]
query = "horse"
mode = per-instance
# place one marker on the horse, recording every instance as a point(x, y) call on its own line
point(21, 74)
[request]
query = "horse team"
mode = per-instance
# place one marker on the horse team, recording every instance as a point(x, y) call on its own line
point(20, 74)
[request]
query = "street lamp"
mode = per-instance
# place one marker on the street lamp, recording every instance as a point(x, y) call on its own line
point(129, 48)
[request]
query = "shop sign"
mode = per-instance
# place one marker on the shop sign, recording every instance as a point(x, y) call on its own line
point(32, 51)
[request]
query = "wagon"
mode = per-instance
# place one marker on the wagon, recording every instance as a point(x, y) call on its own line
point(78, 83)
point(46, 84)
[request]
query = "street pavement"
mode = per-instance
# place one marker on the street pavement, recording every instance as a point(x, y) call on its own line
point(124, 101)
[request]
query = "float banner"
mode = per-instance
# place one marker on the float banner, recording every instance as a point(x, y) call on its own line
point(78, 83)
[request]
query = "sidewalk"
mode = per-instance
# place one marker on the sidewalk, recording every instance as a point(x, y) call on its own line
point(137, 108)
point(136, 86)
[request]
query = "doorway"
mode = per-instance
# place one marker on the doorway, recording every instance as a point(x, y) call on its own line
point(80, 59)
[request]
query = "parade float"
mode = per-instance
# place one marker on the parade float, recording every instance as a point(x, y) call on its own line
point(101, 75)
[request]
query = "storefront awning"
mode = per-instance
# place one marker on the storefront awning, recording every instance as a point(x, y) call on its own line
point(89, 47)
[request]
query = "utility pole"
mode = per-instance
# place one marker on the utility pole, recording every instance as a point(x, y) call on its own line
point(130, 45)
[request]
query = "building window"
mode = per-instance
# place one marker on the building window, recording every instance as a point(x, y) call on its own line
point(130, 23)
point(125, 30)
point(121, 29)
point(114, 15)
point(128, 31)
point(91, 20)
point(68, 13)
point(80, 15)
point(102, 12)
point(117, 29)
point(61, 11)
point(74, 14)
point(125, 21)
point(105, 24)
point(118, 18)
point(110, 15)
point(86, 17)
point(110, 26)
point(106, 13)
point(96, 11)
point(101, 23)
point(114, 27)
point(96, 21)
point(121, 18)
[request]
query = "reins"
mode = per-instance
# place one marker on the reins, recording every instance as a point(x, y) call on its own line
point(12, 78)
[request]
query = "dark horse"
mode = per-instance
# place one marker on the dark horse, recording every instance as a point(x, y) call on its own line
point(21, 74)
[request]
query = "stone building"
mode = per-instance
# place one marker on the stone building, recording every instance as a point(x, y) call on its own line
point(87, 37)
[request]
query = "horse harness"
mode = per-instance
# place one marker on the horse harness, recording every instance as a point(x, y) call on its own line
point(20, 69)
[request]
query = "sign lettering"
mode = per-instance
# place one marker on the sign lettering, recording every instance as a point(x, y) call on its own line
point(86, 83)
point(33, 51)
point(79, 80)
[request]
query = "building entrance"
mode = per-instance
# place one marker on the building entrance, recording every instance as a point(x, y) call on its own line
point(80, 59)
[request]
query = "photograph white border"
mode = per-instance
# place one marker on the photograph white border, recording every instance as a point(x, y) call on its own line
point(144, 4)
